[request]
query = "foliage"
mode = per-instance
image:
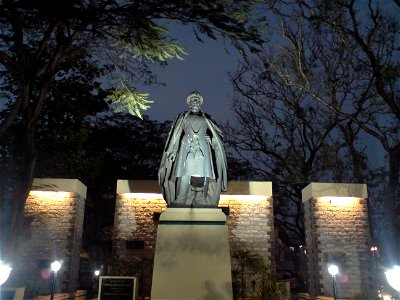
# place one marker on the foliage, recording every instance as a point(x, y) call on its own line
point(126, 99)
point(250, 268)
point(152, 49)
point(118, 146)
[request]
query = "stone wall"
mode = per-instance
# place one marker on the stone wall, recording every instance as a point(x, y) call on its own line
point(251, 224)
point(248, 206)
point(54, 212)
point(337, 231)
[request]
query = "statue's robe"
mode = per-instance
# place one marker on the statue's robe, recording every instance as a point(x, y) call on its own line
point(170, 170)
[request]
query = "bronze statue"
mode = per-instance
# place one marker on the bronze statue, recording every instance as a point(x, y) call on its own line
point(193, 168)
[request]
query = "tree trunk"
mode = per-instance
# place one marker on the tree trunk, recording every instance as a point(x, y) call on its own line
point(14, 220)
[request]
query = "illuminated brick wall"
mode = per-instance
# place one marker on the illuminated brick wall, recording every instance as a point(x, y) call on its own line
point(248, 205)
point(337, 231)
point(55, 211)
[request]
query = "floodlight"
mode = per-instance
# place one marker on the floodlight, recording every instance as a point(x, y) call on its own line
point(393, 277)
point(4, 272)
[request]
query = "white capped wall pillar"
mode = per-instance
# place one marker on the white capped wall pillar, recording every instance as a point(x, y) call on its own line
point(337, 232)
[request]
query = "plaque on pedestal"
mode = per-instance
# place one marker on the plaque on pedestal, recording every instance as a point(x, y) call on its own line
point(117, 288)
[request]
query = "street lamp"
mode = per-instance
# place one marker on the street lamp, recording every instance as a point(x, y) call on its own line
point(4, 272)
point(55, 267)
point(333, 270)
point(393, 277)
point(96, 284)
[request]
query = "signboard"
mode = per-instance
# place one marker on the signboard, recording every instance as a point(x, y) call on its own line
point(117, 288)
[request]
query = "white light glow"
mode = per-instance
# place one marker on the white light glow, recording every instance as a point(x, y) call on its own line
point(50, 195)
point(393, 277)
point(222, 197)
point(244, 197)
point(339, 201)
point(333, 270)
point(4, 272)
point(142, 196)
point(97, 272)
point(56, 266)
point(385, 297)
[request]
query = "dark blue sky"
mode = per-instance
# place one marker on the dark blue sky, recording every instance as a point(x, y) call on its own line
point(204, 69)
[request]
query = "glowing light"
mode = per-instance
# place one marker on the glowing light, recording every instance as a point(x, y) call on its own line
point(155, 196)
point(97, 273)
point(339, 201)
point(4, 272)
point(56, 266)
point(385, 297)
point(393, 277)
point(333, 270)
point(50, 195)
point(244, 197)
point(142, 196)
point(374, 248)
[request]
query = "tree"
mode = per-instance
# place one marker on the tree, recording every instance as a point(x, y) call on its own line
point(345, 56)
point(117, 146)
point(41, 42)
point(288, 139)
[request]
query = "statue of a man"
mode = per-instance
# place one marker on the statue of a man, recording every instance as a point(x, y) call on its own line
point(193, 168)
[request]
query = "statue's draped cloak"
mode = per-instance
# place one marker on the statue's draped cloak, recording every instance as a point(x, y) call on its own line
point(167, 175)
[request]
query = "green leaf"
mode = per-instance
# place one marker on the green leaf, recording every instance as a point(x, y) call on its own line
point(125, 99)
point(150, 43)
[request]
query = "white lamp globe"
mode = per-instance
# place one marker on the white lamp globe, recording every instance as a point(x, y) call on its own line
point(333, 270)
point(55, 266)
point(4, 272)
point(393, 277)
point(97, 272)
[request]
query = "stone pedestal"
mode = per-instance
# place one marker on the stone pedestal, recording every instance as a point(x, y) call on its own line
point(337, 232)
point(192, 259)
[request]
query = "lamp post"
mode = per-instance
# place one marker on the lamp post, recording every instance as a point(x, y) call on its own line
point(333, 270)
point(393, 277)
point(4, 272)
point(96, 274)
point(55, 266)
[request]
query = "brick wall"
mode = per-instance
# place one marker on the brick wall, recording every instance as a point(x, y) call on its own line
point(248, 205)
point(337, 231)
point(54, 211)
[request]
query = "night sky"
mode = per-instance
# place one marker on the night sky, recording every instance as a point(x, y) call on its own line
point(204, 69)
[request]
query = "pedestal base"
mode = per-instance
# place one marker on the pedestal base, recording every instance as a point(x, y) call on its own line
point(192, 259)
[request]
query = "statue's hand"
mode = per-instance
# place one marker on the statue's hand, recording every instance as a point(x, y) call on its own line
point(208, 139)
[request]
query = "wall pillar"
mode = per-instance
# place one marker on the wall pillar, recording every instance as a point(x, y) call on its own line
point(337, 232)
point(54, 212)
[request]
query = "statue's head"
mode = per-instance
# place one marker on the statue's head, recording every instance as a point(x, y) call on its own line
point(194, 100)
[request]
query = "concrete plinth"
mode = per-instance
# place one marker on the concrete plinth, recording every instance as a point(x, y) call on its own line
point(192, 259)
